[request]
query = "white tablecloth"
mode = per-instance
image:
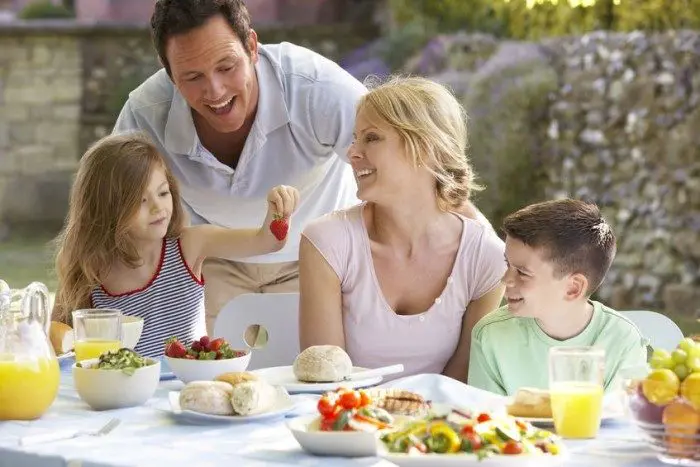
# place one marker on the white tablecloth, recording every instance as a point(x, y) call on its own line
point(148, 435)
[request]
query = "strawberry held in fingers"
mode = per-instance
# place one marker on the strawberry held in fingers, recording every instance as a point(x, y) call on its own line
point(279, 227)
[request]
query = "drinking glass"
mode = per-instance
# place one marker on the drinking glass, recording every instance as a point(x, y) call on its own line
point(96, 331)
point(576, 378)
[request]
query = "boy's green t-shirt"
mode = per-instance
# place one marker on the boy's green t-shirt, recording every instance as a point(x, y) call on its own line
point(510, 352)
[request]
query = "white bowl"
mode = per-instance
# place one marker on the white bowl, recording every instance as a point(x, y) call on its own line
point(206, 370)
point(332, 443)
point(132, 327)
point(114, 389)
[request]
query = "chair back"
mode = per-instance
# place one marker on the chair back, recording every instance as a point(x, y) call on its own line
point(661, 331)
point(278, 313)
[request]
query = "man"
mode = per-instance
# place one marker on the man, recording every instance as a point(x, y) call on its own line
point(234, 118)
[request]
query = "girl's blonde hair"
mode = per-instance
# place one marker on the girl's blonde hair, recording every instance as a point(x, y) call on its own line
point(106, 194)
point(433, 127)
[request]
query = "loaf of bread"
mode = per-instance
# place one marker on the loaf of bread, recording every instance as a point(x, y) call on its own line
point(253, 397)
point(236, 377)
point(210, 397)
point(531, 403)
point(61, 337)
point(322, 364)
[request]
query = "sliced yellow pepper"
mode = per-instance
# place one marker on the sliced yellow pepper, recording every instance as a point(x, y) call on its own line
point(453, 439)
point(553, 449)
point(414, 429)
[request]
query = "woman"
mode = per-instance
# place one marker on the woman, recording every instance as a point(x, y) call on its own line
point(401, 278)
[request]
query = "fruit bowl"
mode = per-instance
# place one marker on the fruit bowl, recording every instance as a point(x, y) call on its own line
point(665, 404)
point(187, 370)
point(204, 359)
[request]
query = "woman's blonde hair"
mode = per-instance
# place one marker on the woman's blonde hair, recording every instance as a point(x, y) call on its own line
point(433, 127)
point(106, 194)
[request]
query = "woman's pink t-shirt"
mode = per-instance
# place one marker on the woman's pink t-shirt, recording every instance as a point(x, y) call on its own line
point(374, 334)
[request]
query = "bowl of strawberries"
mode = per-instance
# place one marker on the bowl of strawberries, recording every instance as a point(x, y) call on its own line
point(204, 358)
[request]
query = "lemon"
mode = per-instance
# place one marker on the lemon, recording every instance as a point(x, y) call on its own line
point(661, 386)
point(690, 389)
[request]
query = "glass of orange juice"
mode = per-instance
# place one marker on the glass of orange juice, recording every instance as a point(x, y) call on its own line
point(96, 331)
point(576, 377)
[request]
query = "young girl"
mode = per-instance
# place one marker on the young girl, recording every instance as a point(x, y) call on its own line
point(125, 244)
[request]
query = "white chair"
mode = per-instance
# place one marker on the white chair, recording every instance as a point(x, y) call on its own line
point(278, 313)
point(661, 331)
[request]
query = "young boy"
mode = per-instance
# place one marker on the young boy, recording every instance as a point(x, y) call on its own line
point(557, 254)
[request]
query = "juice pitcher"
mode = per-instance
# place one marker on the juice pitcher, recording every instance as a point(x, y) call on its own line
point(29, 371)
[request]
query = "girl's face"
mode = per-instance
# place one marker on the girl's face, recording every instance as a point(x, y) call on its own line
point(152, 219)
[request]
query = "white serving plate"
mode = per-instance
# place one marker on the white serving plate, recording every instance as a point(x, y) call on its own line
point(283, 405)
point(331, 443)
point(284, 376)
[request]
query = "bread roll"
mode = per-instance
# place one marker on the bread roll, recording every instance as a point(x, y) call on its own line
point(322, 364)
point(531, 403)
point(236, 377)
point(210, 397)
point(253, 397)
point(61, 337)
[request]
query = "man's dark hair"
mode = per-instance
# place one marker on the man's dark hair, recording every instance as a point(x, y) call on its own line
point(571, 234)
point(173, 17)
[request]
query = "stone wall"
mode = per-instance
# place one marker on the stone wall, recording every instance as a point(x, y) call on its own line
point(40, 92)
point(623, 131)
point(611, 118)
point(62, 85)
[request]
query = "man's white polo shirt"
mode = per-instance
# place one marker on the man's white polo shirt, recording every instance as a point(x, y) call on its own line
point(300, 137)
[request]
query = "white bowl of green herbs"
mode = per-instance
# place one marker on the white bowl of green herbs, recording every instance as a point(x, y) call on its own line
point(116, 380)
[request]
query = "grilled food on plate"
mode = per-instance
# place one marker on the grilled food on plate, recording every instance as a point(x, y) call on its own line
point(399, 401)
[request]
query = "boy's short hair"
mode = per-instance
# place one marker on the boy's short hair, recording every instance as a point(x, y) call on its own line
point(572, 235)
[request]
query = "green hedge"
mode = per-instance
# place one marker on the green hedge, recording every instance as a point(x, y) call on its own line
point(44, 9)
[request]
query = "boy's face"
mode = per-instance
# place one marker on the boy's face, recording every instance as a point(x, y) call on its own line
point(532, 290)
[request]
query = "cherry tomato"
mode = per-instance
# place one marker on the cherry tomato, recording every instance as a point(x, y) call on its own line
point(483, 417)
point(365, 400)
point(349, 400)
point(474, 440)
point(327, 424)
point(513, 448)
point(466, 429)
point(326, 407)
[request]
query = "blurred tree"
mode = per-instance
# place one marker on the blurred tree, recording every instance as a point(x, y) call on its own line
point(537, 18)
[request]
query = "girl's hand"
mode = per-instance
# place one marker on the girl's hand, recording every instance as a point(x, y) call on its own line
point(282, 202)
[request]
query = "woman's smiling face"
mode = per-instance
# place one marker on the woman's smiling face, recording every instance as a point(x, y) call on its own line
point(378, 158)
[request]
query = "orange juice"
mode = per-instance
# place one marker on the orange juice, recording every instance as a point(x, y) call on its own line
point(27, 388)
point(87, 349)
point(576, 409)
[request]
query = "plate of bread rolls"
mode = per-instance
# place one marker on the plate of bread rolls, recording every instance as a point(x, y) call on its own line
point(534, 405)
point(236, 397)
point(322, 368)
